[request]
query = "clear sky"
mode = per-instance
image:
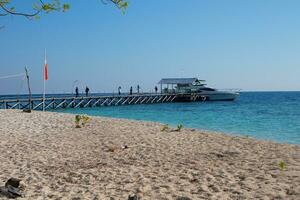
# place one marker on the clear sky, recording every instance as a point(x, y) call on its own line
point(249, 44)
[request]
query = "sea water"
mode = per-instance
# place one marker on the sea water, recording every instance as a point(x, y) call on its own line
point(271, 116)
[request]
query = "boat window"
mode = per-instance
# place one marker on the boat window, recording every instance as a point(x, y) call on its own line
point(208, 89)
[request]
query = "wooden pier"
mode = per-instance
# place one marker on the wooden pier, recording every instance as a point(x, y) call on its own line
point(95, 101)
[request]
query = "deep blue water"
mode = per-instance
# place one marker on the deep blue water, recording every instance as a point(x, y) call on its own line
point(271, 116)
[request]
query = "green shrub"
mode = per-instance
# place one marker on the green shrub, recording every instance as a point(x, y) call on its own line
point(77, 121)
point(81, 120)
point(179, 127)
point(282, 165)
point(85, 119)
point(165, 128)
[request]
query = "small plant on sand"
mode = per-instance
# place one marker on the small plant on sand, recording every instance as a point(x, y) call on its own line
point(81, 120)
point(179, 127)
point(165, 128)
point(282, 165)
point(85, 119)
point(77, 121)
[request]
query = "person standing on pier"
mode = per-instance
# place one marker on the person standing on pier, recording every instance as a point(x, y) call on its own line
point(138, 89)
point(130, 91)
point(87, 91)
point(155, 89)
point(76, 92)
point(119, 90)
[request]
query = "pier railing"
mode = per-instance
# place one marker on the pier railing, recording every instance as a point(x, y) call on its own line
point(83, 102)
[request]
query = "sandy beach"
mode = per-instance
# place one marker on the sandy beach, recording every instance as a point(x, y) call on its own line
point(55, 160)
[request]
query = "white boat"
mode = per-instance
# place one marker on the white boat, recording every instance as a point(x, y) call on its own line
point(194, 86)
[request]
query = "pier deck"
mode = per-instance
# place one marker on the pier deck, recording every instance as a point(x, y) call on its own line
point(94, 101)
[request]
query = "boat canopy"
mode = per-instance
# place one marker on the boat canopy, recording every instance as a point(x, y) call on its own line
point(179, 81)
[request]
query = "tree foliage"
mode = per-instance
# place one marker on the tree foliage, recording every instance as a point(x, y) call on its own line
point(47, 6)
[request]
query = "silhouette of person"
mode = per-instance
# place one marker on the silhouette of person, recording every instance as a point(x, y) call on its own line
point(138, 89)
point(76, 92)
point(155, 89)
point(87, 91)
point(119, 90)
point(130, 91)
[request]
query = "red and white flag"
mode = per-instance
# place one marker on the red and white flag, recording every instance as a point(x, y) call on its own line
point(45, 79)
point(46, 70)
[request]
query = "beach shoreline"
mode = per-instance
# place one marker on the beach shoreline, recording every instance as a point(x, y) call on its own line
point(187, 128)
point(55, 160)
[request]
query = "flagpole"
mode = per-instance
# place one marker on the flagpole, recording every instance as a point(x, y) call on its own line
point(44, 94)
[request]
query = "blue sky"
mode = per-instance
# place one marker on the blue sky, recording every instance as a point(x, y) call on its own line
point(249, 44)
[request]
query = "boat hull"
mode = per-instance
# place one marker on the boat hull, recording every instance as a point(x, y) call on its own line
point(222, 96)
point(213, 96)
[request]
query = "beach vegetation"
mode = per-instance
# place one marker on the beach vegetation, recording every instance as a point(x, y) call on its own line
point(179, 127)
point(165, 128)
point(85, 119)
point(8, 8)
point(81, 120)
point(77, 121)
point(282, 165)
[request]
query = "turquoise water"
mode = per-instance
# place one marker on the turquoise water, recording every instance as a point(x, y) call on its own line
point(264, 115)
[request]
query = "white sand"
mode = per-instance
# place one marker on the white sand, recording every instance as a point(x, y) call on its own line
point(58, 161)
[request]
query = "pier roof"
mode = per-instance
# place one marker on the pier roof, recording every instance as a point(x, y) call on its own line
point(178, 80)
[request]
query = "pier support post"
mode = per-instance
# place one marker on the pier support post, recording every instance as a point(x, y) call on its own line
point(29, 90)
